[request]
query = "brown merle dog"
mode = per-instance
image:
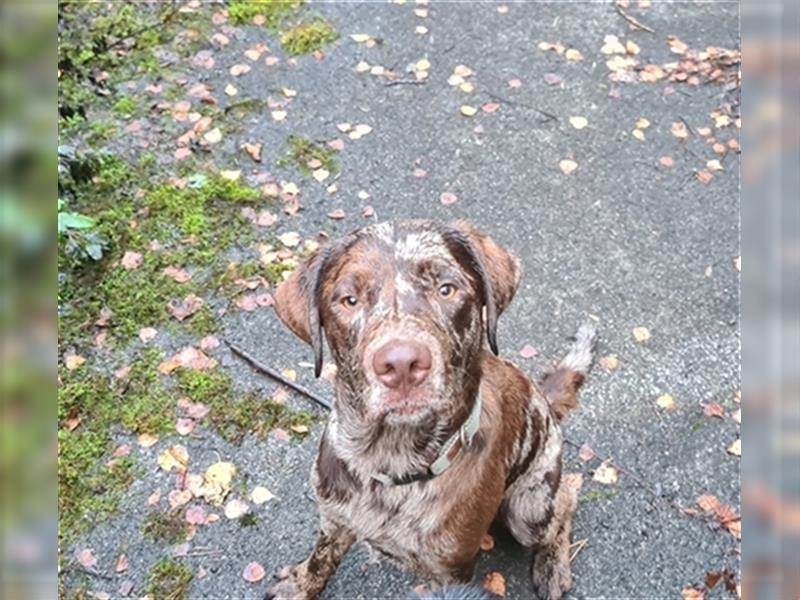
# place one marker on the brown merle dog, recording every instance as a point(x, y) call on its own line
point(431, 437)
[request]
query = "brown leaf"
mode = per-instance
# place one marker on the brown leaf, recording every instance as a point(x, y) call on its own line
point(336, 214)
point(174, 457)
point(132, 260)
point(495, 583)
point(153, 498)
point(666, 402)
point(553, 79)
point(586, 453)
point(195, 515)
point(195, 410)
point(73, 361)
point(237, 70)
point(253, 572)
point(178, 275)
point(713, 410)
point(253, 150)
point(367, 212)
point(490, 107)
point(86, 558)
point(528, 351)
point(666, 161)
point(145, 440)
point(712, 578)
point(573, 54)
point(704, 176)
point(605, 474)
point(209, 343)
point(184, 426)
point(692, 594)
point(177, 498)
point(188, 358)
point(181, 309)
point(679, 130)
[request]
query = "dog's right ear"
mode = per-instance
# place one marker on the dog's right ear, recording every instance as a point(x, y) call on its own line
point(297, 302)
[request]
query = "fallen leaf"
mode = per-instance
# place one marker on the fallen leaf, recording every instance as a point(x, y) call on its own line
point(714, 165)
point(253, 572)
point(214, 136)
point(495, 583)
point(713, 409)
point(490, 107)
point(231, 90)
point(735, 448)
point(177, 498)
point(679, 130)
point(73, 361)
point(468, 111)
point(260, 495)
point(528, 351)
point(692, 594)
point(567, 166)
point(320, 174)
point(737, 415)
point(359, 131)
point(737, 263)
point(632, 47)
point(448, 198)
point(300, 429)
point(188, 357)
point(578, 122)
point(641, 334)
point(363, 195)
point(145, 440)
point(253, 150)
point(182, 153)
point(675, 45)
point(367, 212)
point(704, 176)
point(360, 38)
point(289, 239)
point(237, 70)
point(605, 474)
point(153, 498)
point(184, 426)
point(487, 542)
point(236, 508)
point(132, 260)
point(553, 79)
point(231, 175)
point(278, 115)
point(638, 134)
point(177, 275)
point(585, 453)
point(195, 410)
point(666, 402)
point(181, 309)
point(176, 457)
point(609, 363)
point(573, 54)
point(467, 87)
point(86, 558)
point(514, 83)
point(336, 214)
point(666, 161)
point(195, 515)
point(220, 474)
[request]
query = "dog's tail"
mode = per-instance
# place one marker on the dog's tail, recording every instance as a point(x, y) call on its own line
point(561, 384)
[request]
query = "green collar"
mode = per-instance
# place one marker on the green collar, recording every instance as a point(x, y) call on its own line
point(452, 448)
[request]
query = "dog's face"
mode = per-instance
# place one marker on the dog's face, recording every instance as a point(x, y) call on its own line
point(404, 307)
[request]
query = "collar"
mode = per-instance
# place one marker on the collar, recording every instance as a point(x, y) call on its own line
point(450, 451)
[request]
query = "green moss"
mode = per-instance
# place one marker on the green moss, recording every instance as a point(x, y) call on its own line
point(243, 11)
point(125, 107)
point(302, 151)
point(165, 528)
point(597, 495)
point(203, 322)
point(89, 490)
point(236, 417)
point(248, 520)
point(308, 37)
point(274, 272)
point(169, 580)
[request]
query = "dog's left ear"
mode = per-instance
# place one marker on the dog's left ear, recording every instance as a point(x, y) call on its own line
point(501, 273)
point(297, 302)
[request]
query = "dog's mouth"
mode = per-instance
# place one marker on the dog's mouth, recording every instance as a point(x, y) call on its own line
point(407, 406)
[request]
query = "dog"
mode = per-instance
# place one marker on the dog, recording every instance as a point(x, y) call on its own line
point(432, 436)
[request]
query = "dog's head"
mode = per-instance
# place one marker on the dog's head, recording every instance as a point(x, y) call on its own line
point(404, 307)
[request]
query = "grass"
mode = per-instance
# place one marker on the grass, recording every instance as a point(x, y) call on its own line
point(169, 580)
point(302, 151)
point(125, 107)
point(309, 36)
point(244, 11)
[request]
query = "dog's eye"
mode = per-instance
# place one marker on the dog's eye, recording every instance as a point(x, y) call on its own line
point(447, 290)
point(350, 301)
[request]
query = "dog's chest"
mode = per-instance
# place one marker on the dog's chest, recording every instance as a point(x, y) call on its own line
point(404, 522)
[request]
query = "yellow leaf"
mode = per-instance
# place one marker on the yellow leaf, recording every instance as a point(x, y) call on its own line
point(73, 361)
point(175, 457)
point(301, 429)
point(605, 474)
point(735, 448)
point(642, 123)
point(260, 495)
point(578, 122)
point(567, 166)
point(360, 38)
point(641, 334)
point(468, 111)
point(573, 54)
point(221, 474)
point(466, 87)
point(609, 363)
point(638, 134)
point(666, 402)
point(422, 65)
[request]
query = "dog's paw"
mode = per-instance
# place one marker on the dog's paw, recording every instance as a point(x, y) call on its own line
point(550, 577)
point(291, 585)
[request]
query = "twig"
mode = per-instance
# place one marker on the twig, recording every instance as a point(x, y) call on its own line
point(405, 82)
point(277, 376)
point(581, 544)
point(550, 116)
point(631, 20)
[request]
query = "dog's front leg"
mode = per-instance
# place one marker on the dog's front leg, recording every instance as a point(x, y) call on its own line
point(305, 581)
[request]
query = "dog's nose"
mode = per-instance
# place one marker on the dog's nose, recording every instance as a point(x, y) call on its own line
point(402, 363)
